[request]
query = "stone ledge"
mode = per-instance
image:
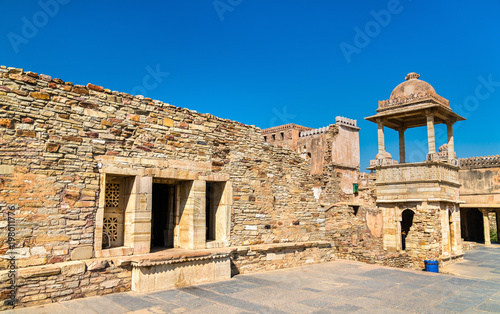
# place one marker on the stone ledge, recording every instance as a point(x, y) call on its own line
point(409, 200)
point(39, 271)
point(175, 256)
point(408, 182)
point(66, 268)
point(278, 246)
point(114, 252)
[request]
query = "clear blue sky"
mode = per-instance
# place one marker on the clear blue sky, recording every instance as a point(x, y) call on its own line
point(268, 63)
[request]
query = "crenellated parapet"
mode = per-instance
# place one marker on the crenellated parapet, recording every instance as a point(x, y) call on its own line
point(346, 122)
point(314, 131)
point(284, 127)
point(480, 162)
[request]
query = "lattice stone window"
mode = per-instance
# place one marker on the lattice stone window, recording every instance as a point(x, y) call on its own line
point(112, 194)
point(110, 228)
point(113, 218)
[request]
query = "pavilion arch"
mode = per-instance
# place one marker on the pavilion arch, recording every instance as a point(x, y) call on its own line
point(407, 216)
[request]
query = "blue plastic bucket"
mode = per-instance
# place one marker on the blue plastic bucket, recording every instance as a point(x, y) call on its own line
point(432, 266)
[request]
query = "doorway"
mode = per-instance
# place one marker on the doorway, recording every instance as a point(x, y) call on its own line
point(472, 224)
point(163, 215)
point(213, 210)
point(406, 223)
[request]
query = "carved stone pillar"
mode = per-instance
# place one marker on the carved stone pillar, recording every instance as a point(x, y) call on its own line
point(486, 223)
point(381, 142)
point(430, 134)
point(451, 141)
point(402, 151)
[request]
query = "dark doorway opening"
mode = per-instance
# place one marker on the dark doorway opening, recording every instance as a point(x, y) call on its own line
point(355, 210)
point(213, 199)
point(472, 225)
point(163, 215)
point(406, 223)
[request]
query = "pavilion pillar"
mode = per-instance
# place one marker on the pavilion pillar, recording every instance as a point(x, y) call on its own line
point(381, 140)
point(402, 151)
point(451, 141)
point(486, 223)
point(430, 134)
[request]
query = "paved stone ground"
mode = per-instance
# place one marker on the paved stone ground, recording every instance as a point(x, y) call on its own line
point(481, 263)
point(336, 287)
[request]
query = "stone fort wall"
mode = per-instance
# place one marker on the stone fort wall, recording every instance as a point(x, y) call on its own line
point(56, 139)
point(52, 134)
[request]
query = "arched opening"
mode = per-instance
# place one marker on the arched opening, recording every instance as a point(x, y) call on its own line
point(472, 224)
point(406, 223)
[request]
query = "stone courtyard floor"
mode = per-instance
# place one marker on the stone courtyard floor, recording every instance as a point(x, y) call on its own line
point(335, 287)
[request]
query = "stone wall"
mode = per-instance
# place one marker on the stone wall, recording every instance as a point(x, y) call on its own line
point(65, 281)
point(356, 232)
point(254, 258)
point(480, 185)
point(284, 135)
point(59, 141)
point(53, 135)
point(346, 150)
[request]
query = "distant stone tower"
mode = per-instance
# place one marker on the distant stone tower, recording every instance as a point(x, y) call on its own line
point(419, 201)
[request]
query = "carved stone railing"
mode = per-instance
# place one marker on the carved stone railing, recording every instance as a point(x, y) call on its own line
point(400, 101)
point(284, 127)
point(383, 162)
point(426, 171)
point(443, 156)
point(480, 162)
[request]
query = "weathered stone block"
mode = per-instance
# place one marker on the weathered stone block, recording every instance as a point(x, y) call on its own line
point(43, 96)
point(168, 122)
point(25, 133)
point(6, 169)
point(80, 90)
point(52, 147)
point(95, 87)
point(40, 271)
point(72, 268)
point(72, 138)
point(98, 265)
point(81, 253)
point(6, 123)
point(109, 283)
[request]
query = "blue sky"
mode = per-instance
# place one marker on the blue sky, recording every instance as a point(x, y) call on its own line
point(268, 63)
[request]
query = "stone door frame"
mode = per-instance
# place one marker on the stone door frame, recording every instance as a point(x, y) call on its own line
point(190, 231)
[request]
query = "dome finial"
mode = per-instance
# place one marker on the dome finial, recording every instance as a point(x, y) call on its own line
point(412, 76)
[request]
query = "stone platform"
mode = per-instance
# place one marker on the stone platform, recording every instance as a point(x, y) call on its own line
point(178, 268)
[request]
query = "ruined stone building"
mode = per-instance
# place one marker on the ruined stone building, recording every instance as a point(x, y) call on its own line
point(102, 191)
point(419, 201)
point(480, 195)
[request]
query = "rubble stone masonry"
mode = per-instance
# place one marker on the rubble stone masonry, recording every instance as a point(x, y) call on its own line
point(54, 136)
